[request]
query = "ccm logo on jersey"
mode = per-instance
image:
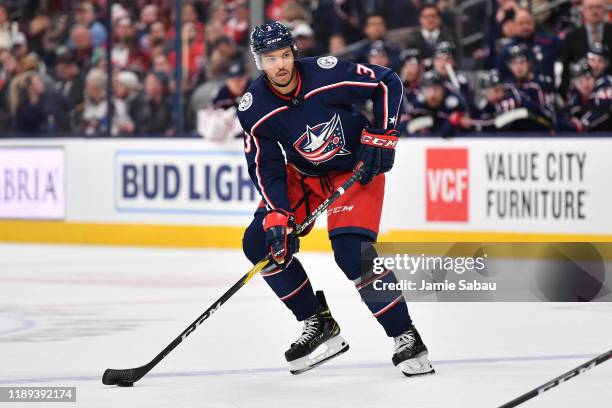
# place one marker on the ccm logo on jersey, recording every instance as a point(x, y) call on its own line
point(447, 184)
point(387, 142)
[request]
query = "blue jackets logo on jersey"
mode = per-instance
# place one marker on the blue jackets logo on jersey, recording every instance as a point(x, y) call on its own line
point(322, 142)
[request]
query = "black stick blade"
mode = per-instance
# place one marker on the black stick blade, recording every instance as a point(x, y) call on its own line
point(122, 378)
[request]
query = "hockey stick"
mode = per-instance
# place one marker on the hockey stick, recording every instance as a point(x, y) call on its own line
point(561, 379)
point(452, 76)
point(506, 118)
point(127, 377)
point(420, 123)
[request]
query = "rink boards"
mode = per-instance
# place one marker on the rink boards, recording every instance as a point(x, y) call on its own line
point(189, 192)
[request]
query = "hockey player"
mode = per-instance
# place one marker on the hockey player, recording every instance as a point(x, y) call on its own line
point(411, 74)
point(531, 95)
point(440, 109)
point(598, 58)
point(302, 140)
point(494, 92)
point(589, 101)
point(444, 63)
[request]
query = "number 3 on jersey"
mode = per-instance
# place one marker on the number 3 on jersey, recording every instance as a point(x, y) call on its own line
point(247, 143)
point(363, 70)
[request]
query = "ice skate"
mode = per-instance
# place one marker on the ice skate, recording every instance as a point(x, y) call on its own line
point(411, 354)
point(320, 341)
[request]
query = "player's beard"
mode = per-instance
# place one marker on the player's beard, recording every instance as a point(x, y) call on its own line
point(279, 85)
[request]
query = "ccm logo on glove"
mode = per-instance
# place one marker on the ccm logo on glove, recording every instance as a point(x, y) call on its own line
point(385, 141)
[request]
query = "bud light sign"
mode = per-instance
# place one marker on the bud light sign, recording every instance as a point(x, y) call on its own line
point(207, 182)
point(32, 183)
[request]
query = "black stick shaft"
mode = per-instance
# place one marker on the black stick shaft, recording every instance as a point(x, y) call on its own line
point(112, 376)
point(561, 379)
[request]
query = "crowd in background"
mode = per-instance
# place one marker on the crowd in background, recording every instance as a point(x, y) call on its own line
point(530, 67)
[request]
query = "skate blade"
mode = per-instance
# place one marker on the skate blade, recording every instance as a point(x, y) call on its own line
point(417, 366)
point(333, 348)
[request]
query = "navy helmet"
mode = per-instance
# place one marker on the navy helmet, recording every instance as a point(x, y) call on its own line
point(271, 37)
point(518, 51)
point(412, 55)
point(432, 78)
point(580, 68)
point(600, 50)
point(445, 48)
point(491, 79)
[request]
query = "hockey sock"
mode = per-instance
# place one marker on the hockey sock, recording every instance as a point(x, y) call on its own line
point(289, 282)
point(391, 313)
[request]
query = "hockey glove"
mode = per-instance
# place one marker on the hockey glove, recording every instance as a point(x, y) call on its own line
point(377, 152)
point(280, 242)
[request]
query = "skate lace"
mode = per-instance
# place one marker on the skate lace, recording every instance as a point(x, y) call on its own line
point(404, 341)
point(311, 326)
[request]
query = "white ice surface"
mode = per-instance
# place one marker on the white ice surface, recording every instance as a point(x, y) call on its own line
point(67, 313)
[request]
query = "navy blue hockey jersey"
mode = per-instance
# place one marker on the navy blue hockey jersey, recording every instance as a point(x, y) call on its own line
point(593, 113)
point(318, 127)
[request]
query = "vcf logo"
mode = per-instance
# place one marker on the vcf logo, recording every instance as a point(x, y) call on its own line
point(447, 184)
point(322, 142)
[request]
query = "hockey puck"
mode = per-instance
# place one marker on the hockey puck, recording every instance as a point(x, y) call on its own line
point(125, 383)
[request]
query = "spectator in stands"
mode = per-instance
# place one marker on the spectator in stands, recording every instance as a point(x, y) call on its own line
point(94, 120)
point(542, 49)
point(237, 26)
point(218, 121)
point(438, 109)
point(82, 45)
point(126, 88)
point(376, 32)
point(293, 13)
point(588, 104)
point(577, 42)
point(223, 53)
point(20, 46)
point(193, 56)
point(70, 79)
point(431, 32)
point(531, 95)
point(305, 40)
point(153, 109)
point(6, 34)
point(444, 63)
point(155, 42)
point(149, 15)
point(40, 109)
point(125, 53)
point(86, 15)
point(349, 19)
point(399, 13)
point(8, 72)
point(236, 84)
point(337, 43)
point(501, 30)
point(161, 64)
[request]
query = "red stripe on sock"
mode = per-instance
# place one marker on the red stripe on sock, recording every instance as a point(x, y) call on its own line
point(389, 306)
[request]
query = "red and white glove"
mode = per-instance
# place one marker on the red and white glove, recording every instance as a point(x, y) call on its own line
point(377, 152)
point(281, 243)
